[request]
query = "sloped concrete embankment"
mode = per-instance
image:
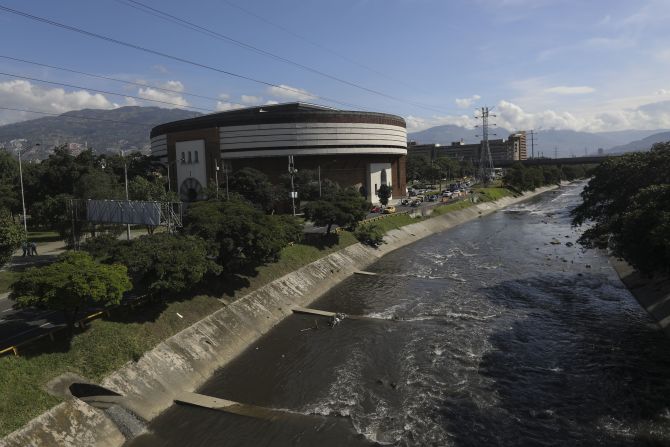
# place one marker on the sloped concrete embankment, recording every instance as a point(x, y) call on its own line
point(186, 360)
point(653, 294)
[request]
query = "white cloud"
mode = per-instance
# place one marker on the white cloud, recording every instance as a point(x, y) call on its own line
point(417, 123)
point(568, 90)
point(290, 93)
point(173, 85)
point(174, 99)
point(223, 106)
point(160, 68)
point(662, 92)
point(464, 103)
point(271, 103)
point(250, 99)
point(21, 94)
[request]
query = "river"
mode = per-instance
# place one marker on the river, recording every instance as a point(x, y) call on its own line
point(487, 334)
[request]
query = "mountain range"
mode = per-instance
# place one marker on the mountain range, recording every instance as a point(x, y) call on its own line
point(127, 128)
point(124, 128)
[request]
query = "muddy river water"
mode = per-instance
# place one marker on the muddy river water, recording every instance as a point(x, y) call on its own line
point(487, 334)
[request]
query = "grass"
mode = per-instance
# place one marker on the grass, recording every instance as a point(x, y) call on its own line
point(6, 280)
point(44, 236)
point(110, 343)
point(104, 347)
point(492, 194)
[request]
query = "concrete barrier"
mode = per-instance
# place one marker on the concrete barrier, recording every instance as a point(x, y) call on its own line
point(186, 360)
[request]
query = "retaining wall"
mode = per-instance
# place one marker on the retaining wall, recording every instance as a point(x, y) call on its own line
point(186, 360)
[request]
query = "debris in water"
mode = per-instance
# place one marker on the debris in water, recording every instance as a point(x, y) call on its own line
point(555, 241)
point(569, 244)
point(337, 319)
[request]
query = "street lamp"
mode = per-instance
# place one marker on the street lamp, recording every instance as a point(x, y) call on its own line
point(125, 173)
point(23, 198)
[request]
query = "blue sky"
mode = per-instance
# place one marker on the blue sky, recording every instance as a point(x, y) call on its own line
point(583, 65)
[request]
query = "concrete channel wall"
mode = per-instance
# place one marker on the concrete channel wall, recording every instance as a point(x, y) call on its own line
point(186, 360)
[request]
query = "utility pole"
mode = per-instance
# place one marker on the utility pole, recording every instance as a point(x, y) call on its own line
point(125, 174)
point(532, 143)
point(225, 172)
point(319, 171)
point(216, 177)
point(555, 152)
point(292, 171)
point(486, 169)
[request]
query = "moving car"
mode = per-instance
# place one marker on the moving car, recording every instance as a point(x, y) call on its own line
point(389, 209)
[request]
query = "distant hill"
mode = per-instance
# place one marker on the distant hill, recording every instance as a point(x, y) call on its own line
point(566, 143)
point(124, 128)
point(641, 145)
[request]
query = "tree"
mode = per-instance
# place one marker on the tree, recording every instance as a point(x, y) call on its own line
point(628, 204)
point(384, 194)
point(164, 262)
point(11, 236)
point(345, 208)
point(71, 284)
point(254, 186)
point(416, 165)
point(239, 236)
point(9, 178)
point(369, 234)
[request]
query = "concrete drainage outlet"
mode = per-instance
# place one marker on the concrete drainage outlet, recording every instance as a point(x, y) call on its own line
point(113, 404)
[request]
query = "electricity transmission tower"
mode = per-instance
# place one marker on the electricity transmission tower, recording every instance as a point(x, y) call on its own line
point(486, 170)
point(532, 143)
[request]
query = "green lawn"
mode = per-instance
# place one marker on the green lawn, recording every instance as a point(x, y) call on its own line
point(492, 194)
point(109, 343)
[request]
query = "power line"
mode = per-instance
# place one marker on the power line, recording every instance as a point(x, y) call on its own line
point(138, 84)
point(63, 84)
point(316, 44)
point(167, 56)
point(195, 27)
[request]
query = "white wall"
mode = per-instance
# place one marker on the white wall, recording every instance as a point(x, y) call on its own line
point(193, 166)
point(375, 179)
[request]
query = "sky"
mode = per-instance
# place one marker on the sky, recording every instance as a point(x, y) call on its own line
point(589, 65)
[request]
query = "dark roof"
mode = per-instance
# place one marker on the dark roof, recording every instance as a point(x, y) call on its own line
point(295, 112)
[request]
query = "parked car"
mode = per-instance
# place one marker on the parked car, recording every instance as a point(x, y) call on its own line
point(415, 203)
point(405, 202)
point(376, 209)
point(389, 209)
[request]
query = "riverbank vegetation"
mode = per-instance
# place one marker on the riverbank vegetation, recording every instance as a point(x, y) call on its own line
point(527, 178)
point(627, 207)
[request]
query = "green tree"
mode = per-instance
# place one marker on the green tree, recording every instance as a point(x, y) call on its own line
point(9, 178)
point(254, 186)
point(416, 165)
point(239, 236)
point(345, 208)
point(70, 285)
point(164, 262)
point(384, 194)
point(11, 236)
point(369, 234)
point(628, 195)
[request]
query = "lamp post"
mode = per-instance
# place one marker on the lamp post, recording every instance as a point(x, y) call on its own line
point(216, 177)
point(125, 174)
point(23, 198)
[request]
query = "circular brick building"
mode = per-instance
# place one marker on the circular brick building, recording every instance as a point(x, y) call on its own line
point(360, 149)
